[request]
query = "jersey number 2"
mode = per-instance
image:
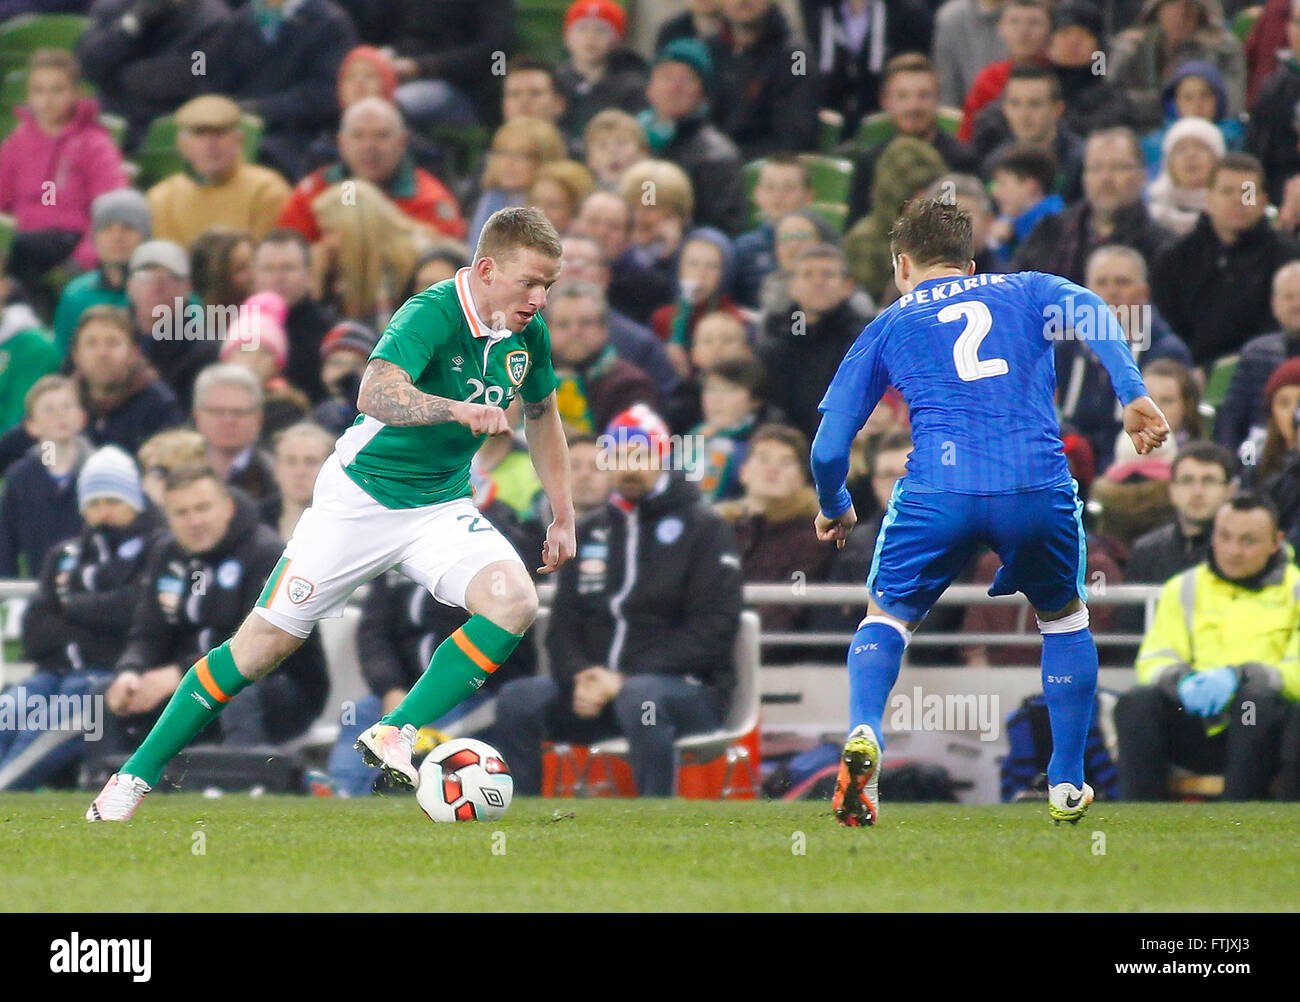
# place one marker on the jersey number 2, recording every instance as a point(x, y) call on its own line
point(965, 352)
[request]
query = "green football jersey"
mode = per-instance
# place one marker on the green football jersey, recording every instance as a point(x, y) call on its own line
point(448, 351)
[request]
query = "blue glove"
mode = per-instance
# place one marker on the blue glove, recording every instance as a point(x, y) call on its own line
point(1206, 693)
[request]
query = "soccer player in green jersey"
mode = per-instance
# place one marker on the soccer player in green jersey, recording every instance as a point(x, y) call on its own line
point(396, 493)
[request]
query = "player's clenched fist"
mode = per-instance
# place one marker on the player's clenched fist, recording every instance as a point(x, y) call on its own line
point(1145, 424)
point(837, 529)
point(481, 419)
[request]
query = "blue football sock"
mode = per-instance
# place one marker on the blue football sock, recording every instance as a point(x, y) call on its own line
point(1069, 683)
point(874, 658)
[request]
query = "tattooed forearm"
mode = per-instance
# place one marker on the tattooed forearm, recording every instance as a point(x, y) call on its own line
point(539, 409)
point(387, 394)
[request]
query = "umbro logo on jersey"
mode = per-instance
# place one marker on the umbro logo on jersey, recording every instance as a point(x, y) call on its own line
point(457, 362)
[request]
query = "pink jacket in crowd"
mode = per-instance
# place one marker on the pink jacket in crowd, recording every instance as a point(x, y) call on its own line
point(82, 161)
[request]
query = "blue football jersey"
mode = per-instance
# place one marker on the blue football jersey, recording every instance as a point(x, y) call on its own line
point(973, 357)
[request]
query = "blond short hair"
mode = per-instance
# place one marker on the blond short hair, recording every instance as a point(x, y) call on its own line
point(543, 139)
point(669, 185)
point(172, 448)
point(613, 123)
point(519, 227)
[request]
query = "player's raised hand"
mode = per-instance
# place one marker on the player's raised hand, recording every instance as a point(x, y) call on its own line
point(481, 419)
point(1145, 424)
point(837, 529)
point(560, 546)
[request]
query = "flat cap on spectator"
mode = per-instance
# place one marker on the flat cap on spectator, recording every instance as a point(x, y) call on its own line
point(126, 205)
point(209, 111)
point(606, 10)
point(161, 254)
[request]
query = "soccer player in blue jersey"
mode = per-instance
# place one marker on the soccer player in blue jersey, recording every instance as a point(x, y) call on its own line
point(973, 357)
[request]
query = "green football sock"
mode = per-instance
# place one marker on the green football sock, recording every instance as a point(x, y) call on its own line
point(203, 693)
point(459, 666)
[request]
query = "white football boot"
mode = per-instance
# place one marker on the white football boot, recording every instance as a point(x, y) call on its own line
point(1066, 802)
point(118, 799)
point(389, 748)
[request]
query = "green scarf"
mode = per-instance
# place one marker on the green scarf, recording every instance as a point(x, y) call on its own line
point(571, 390)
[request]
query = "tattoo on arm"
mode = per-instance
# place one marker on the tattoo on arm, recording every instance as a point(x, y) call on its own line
point(539, 409)
point(388, 395)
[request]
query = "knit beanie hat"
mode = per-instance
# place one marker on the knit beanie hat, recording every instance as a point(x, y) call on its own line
point(1286, 374)
point(348, 335)
point(126, 205)
point(606, 10)
point(260, 324)
point(110, 473)
point(1193, 128)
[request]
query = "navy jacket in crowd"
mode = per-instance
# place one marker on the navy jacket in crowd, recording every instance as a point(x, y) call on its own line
point(89, 589)
point(37, 511)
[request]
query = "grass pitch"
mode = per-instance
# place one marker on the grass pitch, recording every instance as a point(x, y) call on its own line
point(237, 853)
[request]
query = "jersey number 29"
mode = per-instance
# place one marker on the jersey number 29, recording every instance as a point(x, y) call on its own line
point(965, 352)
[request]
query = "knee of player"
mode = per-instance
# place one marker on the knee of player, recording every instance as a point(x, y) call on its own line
point(258, 647)
point(515, 607)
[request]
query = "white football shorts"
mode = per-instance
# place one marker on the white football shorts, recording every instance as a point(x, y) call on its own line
point(346, 538)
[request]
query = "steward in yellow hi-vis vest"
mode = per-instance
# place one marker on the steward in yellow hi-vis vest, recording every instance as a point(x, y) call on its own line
point(1218, 671)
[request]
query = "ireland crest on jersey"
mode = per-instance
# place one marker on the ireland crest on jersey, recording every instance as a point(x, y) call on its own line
point(517, 366)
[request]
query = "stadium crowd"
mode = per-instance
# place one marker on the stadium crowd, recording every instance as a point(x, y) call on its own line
point(215, 207)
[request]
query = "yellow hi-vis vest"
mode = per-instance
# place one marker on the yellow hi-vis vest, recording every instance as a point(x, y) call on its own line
point(1204, 622)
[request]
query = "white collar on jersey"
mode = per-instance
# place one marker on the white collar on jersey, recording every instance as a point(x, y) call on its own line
point(476, 326)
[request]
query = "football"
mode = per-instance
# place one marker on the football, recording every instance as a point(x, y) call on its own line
point(464, 780)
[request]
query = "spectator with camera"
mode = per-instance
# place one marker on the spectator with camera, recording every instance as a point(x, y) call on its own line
point(1220, 666)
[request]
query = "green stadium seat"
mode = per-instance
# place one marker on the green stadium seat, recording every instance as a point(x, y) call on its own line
point(22, 35)
point(873, 129)
point(539, 31)
point(877, 128)
point(831, 179)
point(1220, 376)
point(13, 90)
point(949, 119)
point(8, 228)
point(830, 124)
point(1244, 21)
point(831, 176)
point(116, 126)
point(463, 146)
